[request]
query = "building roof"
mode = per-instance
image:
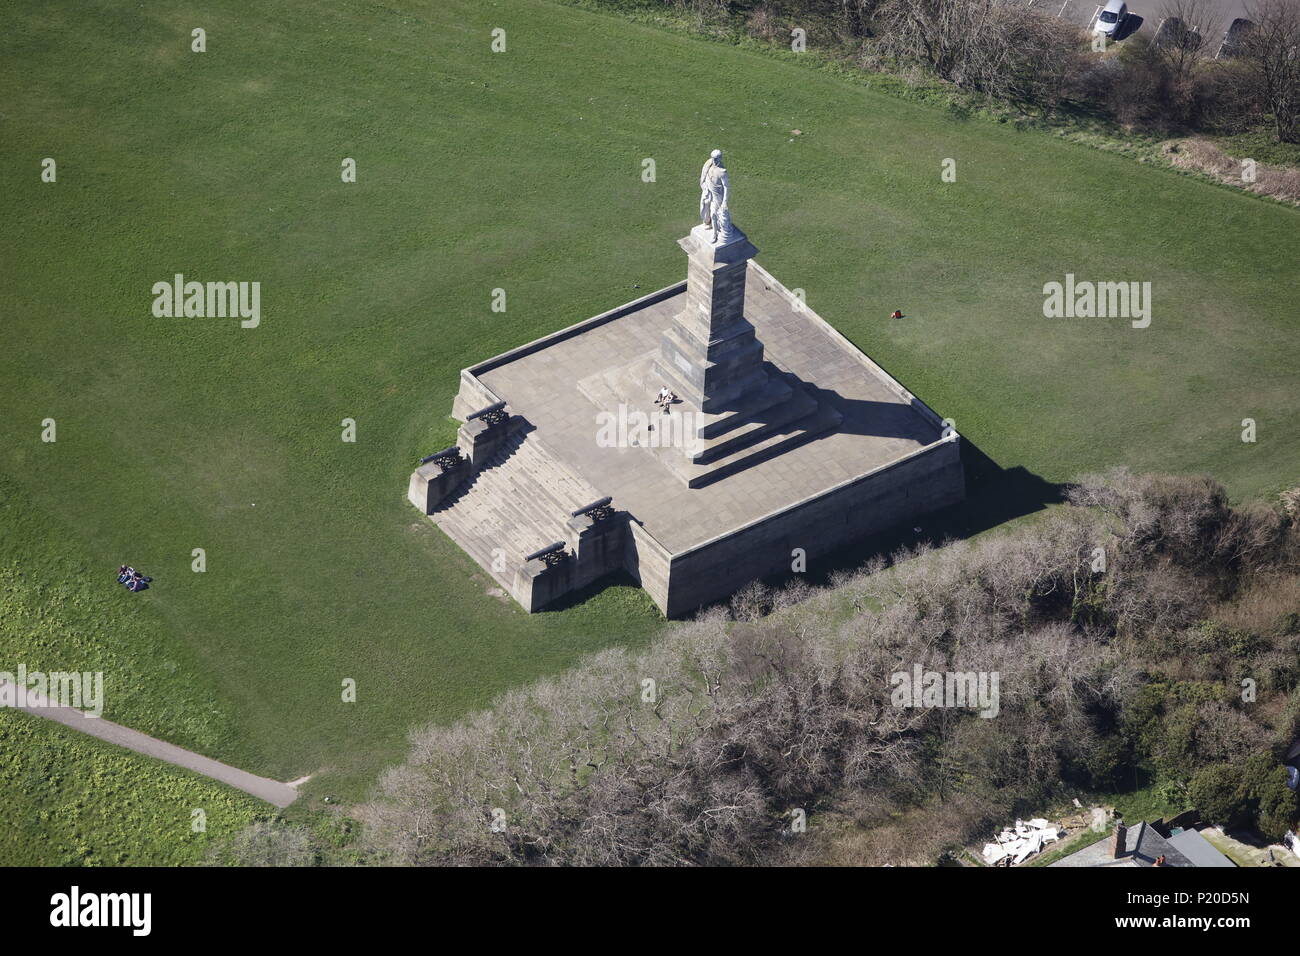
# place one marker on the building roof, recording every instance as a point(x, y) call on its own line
point(1143, 845)
point(1147, 846)
point(1198, 849)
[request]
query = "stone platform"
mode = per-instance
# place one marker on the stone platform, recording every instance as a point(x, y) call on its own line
point(699, 448)
point(820, 446)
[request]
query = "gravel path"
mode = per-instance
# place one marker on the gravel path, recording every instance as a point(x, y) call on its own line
point(280, 794)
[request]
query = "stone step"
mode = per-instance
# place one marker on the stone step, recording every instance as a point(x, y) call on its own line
point(696, 475)
point(773, 392)
point(517, 531)
point(519, 502)
point(797, 406)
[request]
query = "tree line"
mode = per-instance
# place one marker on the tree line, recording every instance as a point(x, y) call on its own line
point(1174, 75)
point(1145, 622)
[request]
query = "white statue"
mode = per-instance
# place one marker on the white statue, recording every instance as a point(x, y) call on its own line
point(715, 191)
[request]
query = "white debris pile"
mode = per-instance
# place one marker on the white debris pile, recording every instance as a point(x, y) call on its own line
point(1016, 844)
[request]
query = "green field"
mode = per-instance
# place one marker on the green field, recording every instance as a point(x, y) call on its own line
point(519, 170)
point(70, 800)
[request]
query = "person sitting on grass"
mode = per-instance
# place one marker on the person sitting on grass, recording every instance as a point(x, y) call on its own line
point(132, 579)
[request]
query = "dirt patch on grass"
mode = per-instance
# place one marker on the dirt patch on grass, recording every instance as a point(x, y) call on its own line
point(1202, 156)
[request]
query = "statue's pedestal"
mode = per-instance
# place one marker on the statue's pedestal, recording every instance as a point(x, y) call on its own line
point(734, 407)
point(709, 356)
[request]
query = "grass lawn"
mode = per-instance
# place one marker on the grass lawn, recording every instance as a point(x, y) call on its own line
point(71, 800)
point(1146, 802)
point(522, 171)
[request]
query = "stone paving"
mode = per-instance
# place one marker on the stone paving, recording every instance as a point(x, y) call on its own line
point(879, 424)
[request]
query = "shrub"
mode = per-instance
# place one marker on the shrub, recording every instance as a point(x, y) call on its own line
point(1217, 793)
point(1277, 807)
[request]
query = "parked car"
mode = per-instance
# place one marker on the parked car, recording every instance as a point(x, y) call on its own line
point(1235, 37)
point(1175, 33)
point(1111, 17)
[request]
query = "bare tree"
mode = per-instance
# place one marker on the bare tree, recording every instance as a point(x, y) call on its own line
point(999, 47)
point(856, 14)
point(1272, 53)
point(705, 747)
point(949, 35)
point(267, 843)
point(1186, 33)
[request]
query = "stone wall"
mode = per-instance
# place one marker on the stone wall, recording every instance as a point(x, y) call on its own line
point(930, 479)
point(648, 561)
point(430, 484)
point(472, 396)
point(598, 546)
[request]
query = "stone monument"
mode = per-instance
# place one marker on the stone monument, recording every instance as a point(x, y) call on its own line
point(731, 398)
point(784, 439)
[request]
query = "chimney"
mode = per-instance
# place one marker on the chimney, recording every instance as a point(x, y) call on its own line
point(1119, 841)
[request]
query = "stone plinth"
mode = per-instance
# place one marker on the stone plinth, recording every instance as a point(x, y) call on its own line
point(735, 407)
point(710, 356)
point(480, 438)
point(786, 437)
point(597, 545)
point(538, 584)
point(431, 483)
